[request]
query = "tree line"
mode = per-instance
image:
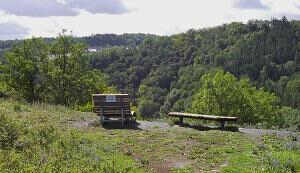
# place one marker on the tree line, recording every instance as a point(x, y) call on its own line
point(57, 73)
point(164, 73)
point(168, 73)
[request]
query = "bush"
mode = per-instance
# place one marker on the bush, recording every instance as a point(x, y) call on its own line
point(17, 108)
point(223, 94)
point(9, 133)
point(148, 109)
point(283, 161)
point(290, 118)
point(56, 73)
point(85, 108)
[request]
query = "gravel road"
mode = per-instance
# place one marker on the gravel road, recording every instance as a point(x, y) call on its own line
point(147, 125)
point(152, 125)
point(261, 132)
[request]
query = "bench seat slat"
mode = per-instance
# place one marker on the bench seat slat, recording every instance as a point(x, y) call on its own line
point(103, 100)
point(112, 105)
point(112, 108)
point(199, 116)
point(99, 110)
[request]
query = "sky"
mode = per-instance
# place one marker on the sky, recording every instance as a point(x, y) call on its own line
point(47, 18)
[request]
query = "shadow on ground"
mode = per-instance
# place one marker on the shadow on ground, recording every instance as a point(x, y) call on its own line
point(112, 125)
point(207, 128)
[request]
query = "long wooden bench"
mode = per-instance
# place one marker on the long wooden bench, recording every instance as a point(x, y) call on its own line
point(112, 106)
point(220, 119)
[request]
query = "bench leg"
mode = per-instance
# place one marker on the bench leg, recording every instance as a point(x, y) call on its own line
point(222, 124)
point(122, 112)
point(181, 120)
point(102, 119)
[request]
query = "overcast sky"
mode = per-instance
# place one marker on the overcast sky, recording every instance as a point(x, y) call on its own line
point(27, 18)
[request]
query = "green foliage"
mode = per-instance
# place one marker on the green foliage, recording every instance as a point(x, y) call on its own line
point(109, 40)
point(290, 118)
point(71, 79)
point(278, 155)
point(3, 88)
point(283, 156)
point(88, 107)
point(222, 94)
point(25, 69)
point(55, 139)
point(182, 170)
point(292, 92)
point(43, 140)
point(181, 95)
point(17, 108)
point(167, 68)
point(9, 132)
point(57, 73)
point(148, 109)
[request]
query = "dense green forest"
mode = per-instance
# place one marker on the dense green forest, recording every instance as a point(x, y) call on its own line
point(163, 73)
point(166, 73)
point(98, 41)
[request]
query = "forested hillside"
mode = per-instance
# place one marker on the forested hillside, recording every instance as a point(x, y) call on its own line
point(164, 72)
point(97, 41)
point(168, 73)
point(100, 41)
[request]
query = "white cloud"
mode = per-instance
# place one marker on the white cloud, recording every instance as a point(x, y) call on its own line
point(36, 8)
point(46, 8)
point(98, 6)
point(250, 4)
point(162, 17)
point(11, 31)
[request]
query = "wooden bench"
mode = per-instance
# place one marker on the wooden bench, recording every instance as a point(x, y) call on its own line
point(220, 119)
point(113, 106)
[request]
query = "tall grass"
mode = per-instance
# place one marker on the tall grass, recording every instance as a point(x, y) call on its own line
point(37, 138)
point(290, 118)
point(274, 155)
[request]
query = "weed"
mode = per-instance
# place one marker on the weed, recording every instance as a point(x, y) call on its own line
point(17, 108)
point(9, 132)
point(46, 139)
point(182, 170)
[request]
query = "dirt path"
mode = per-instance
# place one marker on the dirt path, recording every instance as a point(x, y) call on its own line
point(261, 132)
point(149, 142)
point(147, 125)
point(152, 125)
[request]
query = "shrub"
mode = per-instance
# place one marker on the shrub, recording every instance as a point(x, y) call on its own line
point(282, 162)
point(9, 132)
point(45, 135)
point(290, 118)
point(148, 109)
point(17, 108)
point(88, 107)
point(223, 94)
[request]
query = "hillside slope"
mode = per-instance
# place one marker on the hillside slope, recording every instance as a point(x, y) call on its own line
point(45, 138)
point(98, 41)
point(164, 72)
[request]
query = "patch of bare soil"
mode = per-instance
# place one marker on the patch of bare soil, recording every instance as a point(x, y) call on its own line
point(166, 165)
point(261, 132)
point(150, 125)
point(85, 123)
point(178, 160)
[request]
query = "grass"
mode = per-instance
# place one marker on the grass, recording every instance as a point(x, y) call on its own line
point(43, 138)
point(273, 155)
point(47, 138)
